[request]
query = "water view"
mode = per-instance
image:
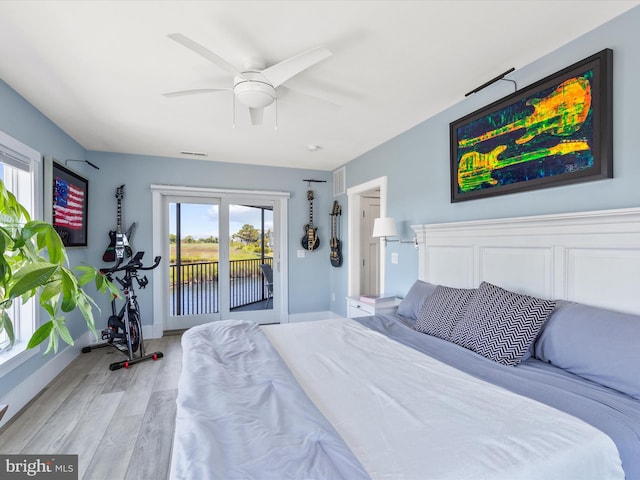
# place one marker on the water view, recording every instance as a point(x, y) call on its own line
point(194, 257)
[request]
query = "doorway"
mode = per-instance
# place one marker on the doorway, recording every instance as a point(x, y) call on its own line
point(369, 246)
point(221, 248)
point(367, 201)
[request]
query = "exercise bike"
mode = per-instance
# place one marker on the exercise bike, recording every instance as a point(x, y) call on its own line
point(124, 330)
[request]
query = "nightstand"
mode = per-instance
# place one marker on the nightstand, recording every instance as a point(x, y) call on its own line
point(357, 308)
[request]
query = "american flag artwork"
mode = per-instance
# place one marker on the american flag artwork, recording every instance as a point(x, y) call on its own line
point(68, 205)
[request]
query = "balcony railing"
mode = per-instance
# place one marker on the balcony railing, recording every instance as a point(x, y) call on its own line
point(195, 291)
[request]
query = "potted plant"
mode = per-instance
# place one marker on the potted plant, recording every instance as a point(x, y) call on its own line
point(34, 263)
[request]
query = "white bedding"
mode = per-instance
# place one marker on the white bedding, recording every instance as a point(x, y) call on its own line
point(407, 416)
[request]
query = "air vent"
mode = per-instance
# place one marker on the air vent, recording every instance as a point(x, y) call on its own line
point(193, 154)
point(339, 182)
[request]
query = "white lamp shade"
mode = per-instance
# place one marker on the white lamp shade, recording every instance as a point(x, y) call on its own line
point(384, 227)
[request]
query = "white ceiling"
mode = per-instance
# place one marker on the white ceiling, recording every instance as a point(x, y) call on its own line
point(98, 69)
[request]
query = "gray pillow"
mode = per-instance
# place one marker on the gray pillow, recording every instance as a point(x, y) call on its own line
point(501, 325)
point(442, 310)
point(411, 304)
point(594, 343)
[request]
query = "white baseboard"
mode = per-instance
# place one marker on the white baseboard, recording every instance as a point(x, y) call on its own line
point(148, 332)
point(311, 316)
point(21, 395)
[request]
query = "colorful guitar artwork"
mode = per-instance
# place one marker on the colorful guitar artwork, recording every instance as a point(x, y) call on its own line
point(561, 113)
point(475, 168)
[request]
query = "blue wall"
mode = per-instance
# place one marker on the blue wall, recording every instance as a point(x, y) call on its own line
point(308, 279)
point(19, 119)
point(417, 161)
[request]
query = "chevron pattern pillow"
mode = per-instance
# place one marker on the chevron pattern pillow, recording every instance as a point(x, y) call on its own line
point(442, 310)
point(501, 325)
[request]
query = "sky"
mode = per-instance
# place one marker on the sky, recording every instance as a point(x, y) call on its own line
point(201, 220)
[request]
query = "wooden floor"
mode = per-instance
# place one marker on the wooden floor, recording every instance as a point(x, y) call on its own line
point(119, 423)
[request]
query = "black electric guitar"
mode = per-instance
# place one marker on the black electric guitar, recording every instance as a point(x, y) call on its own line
point(310, 241)
point(335, 254)
point(118, 241)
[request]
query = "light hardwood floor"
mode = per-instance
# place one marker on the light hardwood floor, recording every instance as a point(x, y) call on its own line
point(119, 423)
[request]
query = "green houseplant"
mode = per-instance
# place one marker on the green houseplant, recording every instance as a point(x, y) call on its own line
point(34, 264)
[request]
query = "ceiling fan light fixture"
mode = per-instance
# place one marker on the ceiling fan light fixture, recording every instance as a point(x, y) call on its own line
point(254, 94)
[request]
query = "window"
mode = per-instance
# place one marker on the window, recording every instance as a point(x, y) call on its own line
point(21, 172)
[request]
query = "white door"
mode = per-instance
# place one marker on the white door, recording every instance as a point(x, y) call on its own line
point(369, 247)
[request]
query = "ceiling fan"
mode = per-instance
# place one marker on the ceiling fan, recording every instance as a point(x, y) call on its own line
point(255, 85)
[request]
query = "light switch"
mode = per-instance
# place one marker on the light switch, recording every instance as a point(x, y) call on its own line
point(394, 257)
point(301, 253)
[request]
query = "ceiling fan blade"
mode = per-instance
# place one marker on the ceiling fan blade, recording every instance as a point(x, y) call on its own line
point(283, 71)
point(196, 91)
point(293, 95)
point(256, 115)
point(205, 52)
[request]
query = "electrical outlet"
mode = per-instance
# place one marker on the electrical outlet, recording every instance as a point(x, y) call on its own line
point(301, 253)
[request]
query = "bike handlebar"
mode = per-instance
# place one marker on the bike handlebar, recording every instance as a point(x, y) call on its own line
point(156, 262)
point(134, 264)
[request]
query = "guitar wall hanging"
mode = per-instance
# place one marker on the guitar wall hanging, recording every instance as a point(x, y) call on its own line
point(310, 241)
point(119, 241)
point(335, 254)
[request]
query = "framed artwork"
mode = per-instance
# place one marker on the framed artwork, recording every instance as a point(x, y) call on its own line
point(554, 132)
point(66, 201)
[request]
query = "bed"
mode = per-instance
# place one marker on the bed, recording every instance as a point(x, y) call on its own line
point(513, 356)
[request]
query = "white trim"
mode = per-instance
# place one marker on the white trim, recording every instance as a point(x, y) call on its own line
point(282, 262)
point(29, 161)
point(214, 192)
point(33, 159)
point(21, 152)
point(23, 393)
point(160, 231)
point(564, 222)
point(353, 244)
point(148, 332)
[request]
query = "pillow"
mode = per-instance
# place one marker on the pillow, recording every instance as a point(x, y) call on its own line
point(411, 304)
point(442, 310)
point(501, 325)
point(531, 350)
point(594, 343)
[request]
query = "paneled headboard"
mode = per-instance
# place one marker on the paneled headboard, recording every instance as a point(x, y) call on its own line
point(587, 257)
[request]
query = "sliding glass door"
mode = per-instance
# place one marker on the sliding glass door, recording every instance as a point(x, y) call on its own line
point(224, 259)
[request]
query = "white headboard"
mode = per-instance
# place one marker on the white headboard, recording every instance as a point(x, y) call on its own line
point(586, 257)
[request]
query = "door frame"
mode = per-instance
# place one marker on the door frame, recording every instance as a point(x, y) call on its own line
point(160, 244)
point(354, 194)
